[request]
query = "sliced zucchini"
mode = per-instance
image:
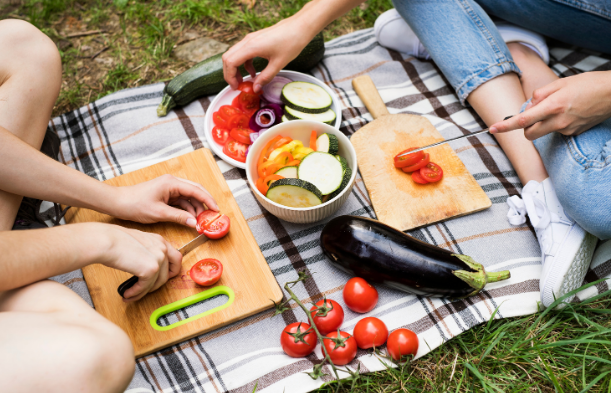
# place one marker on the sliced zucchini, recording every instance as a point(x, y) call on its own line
point(294, 193)
point(306, 97)
point(288, 172)
point(321, 169)
point(325, 117)
point(345, 181)
point(327, 143)
point(342, 161)
point(285, 119)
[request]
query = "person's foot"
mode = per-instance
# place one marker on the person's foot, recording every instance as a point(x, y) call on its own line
point(566, 249)
point(393, 32)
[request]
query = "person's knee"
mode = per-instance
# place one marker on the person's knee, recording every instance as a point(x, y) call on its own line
point(23, 44)
point(522, 55)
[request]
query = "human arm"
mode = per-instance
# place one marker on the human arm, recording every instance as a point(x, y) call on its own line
point(34, 255)
point(569, 106)
point(282, 42)
point(26, 171)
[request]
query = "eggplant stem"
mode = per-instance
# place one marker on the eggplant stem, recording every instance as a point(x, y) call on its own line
point(479, 277)
point(498, 276)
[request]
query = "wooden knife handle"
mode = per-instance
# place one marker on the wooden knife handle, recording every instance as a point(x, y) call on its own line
point(367, 91)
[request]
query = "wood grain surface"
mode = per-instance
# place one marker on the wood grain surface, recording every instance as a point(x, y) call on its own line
point(397, 200)
point(245, 269)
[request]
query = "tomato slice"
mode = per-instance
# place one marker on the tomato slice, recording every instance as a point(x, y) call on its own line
point(218, 120)
point(247, 87)
point(249, 101)
point(412, 168)
point(431, 172)
point(241, 135)
point(236, 102)
point(418, 178)
point(205, 218)
point(235, 149)
point(239, 120)
point(220, 135)
point(206, 272)
point(408, 160)
point(226, 111)
point(218, 228)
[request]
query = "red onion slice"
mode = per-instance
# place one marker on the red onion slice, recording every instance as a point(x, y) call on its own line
point(254, 136)
point(273, 90)
point(265, 117)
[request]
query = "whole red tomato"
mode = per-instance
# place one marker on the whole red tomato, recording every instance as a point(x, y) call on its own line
point(298, 340)
point(370, 332)
point(327, 317)
point(343, 351)
point(402, 342)
point(359, 295)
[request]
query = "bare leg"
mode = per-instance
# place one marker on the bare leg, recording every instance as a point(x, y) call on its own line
point(30, 77)
point(52, 341)
point(535, 73)
point(501, 97)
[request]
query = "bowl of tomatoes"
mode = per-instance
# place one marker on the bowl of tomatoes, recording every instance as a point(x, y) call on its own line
point(235, 118)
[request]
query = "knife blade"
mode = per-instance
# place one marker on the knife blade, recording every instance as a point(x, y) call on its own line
point(449, 140)
point(184, 250)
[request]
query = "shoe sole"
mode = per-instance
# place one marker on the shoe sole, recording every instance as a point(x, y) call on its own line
point(573, 275)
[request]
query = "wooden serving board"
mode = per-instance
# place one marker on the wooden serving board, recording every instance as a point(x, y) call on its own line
point(397, 200)
point(245, 271)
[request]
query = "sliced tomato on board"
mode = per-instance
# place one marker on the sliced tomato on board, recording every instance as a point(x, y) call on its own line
point(218, 120)
point(241, 135)
point(226, 111)
point(220, 135)
point(408, 160)
point(235, 150)
point(417, 177)
point(423, 161)
point(206, 272)
point(431, 172)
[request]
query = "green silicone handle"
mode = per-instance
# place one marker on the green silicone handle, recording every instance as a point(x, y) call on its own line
point(161, 311)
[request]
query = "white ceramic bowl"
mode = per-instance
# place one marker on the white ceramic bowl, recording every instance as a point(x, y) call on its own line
point(301, 130)
point(227, 95)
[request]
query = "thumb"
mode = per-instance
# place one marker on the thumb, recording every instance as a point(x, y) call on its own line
point(179, 216)
point(543, 92)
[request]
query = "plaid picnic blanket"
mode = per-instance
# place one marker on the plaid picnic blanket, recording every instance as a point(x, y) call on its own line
point(121, 133)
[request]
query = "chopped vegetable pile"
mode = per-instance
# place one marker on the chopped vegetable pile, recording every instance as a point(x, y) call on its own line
point(238, 125)
point(419, 164)
point(294, 175)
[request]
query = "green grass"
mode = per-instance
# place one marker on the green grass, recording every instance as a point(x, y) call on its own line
point(565, 351)
point(140, 35)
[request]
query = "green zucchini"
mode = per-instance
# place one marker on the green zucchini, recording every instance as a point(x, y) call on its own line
point(342, 161)
point(306, 97)
point(294, 193)
point(288, 172)
point(206, 78)
point(323, 170)
point(345, 181)
point(326, 117)
point(327, 143)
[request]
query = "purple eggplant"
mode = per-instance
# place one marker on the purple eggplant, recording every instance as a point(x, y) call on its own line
point(381, 254)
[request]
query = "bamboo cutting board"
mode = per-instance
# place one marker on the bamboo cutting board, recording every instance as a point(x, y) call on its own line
point(245, 270)
point(397, 200)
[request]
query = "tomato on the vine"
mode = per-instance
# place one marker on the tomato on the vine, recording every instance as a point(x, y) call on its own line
point(206, 272)
point(359, 295)
point(328, 316)
point(402, 342)
point(370, 332)
point(341, 349)
point(298, 339)
point(220, 135)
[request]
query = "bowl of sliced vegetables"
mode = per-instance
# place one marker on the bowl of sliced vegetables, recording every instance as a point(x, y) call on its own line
point(236, 118)
point(301, 171)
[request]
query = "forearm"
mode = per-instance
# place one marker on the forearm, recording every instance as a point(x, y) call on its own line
point(34, 255)
point(317, 14)
point(25, 171)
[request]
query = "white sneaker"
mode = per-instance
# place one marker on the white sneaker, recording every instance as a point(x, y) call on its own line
point(566, 249)
point(393, 32)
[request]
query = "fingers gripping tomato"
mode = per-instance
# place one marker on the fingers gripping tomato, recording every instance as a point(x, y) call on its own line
point(206, 272)
point(341, 347)
point(298, 339)
point(359, 295)
point(328, 316)
point(402, 342)
point(212, 224)
point(370, 332)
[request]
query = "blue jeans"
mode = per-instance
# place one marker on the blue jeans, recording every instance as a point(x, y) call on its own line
point(465, 44)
